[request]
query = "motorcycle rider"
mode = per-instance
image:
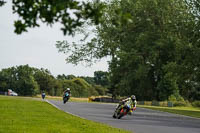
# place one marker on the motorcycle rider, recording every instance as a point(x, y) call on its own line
point(131, 101)
point(43, 95)
point(67, 93)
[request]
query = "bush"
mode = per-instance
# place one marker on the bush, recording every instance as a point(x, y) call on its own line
point(92, 92)
point(172, 98)
point(179, 103)
point(101, 90)
point(176, 97)
point(196, 103)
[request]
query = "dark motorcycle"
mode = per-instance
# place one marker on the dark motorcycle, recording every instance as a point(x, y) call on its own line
point(66, 97)
point(122, 111)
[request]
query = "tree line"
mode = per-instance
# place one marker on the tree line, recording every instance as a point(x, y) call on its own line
point(30, 81)
point(154, 46)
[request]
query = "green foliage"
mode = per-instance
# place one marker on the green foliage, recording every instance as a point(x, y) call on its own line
point(29, 81)
point(19, 79)
point(153, 45)
point(70, 14)
point(3, 81)
point(172, 98)
point(82, 87)
point(101, 78)
point(178, 100)
point(101, 90)
point(179, 103)
point(45, 80)
point(8, 79)
point(90, 80)
point(196, 103)
point(27, 86)
point(85, 86)
point(63, 77)
point(93, 92)
point(2, 2)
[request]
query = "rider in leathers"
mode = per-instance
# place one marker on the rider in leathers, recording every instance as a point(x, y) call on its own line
point(131, 101)
point(67, 93)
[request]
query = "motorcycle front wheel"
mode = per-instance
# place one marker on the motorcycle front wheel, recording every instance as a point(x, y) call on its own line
point(65, 100)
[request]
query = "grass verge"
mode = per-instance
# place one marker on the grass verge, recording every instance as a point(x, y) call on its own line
point(187, 111)
point(25, 115)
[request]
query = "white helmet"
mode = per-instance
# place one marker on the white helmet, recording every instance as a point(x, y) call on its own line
point(68, 89)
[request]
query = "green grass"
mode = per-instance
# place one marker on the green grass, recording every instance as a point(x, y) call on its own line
point(26, 115)
point(187, 111)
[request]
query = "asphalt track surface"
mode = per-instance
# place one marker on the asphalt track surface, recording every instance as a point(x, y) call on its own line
point(142, 120)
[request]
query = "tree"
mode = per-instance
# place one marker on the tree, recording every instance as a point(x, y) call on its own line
point(25, 82)
point(101, 90)
point(153, 54)
point(28, 81)
point(70, 13)
point(101, 78)
point(7, 79)
point(19, 79)
point(88, 79)
point(47, 82)
point(2, 2)
point(79, 87)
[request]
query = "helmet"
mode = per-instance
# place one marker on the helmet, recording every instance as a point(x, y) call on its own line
point(133, 97)
point(68, 89)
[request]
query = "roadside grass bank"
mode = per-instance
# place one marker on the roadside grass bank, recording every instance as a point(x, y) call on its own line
point(26, 115)
point(187, 111)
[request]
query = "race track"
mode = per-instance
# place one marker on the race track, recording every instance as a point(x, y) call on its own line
point(142, 121)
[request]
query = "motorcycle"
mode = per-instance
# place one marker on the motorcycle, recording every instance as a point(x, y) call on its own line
point(66, 97)
point(122, 111)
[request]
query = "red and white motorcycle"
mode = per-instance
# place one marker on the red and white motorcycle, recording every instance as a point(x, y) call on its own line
point(123, 110)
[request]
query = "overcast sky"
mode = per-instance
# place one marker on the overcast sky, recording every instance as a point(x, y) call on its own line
point(37, 48)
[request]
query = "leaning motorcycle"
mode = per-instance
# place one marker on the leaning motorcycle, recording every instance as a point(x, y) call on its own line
point(122, 111)
point(66, 97)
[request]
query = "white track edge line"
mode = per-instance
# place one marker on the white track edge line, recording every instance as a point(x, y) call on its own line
point(64, 111)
